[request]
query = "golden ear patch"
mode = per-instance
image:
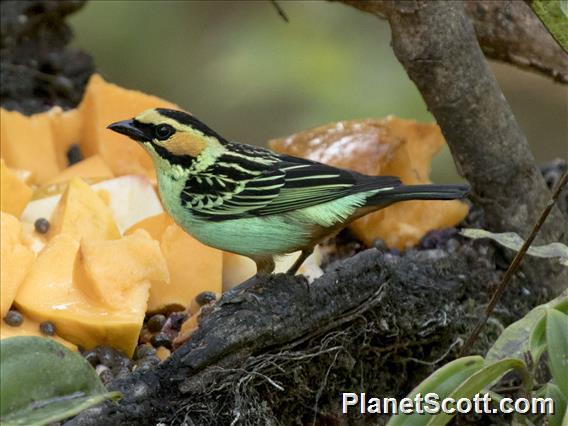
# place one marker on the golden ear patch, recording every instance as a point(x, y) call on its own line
point(184, 143)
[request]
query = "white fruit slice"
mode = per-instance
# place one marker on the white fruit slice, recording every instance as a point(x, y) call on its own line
point(132, 198)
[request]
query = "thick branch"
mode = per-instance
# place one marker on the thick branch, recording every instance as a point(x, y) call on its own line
point(389, 309)
point(436, 43)
point(507, 31)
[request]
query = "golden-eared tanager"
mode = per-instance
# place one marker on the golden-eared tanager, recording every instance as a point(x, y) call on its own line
point(252, 201)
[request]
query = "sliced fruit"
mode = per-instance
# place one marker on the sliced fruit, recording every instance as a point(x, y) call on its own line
point(49, 294)
point(236, 270)
point(132, 199)
point(91, 168)
point(30, 328)
point(66, 127)
point(14, 193)
point(193, 267)
point(109, 270)
point(27, 143)
point(391, 146)
point(33, 239)
point(81, 213)
point(105, 103)
point(187, 329)
point(15, 260)
point(154, 225)
point(163, 353)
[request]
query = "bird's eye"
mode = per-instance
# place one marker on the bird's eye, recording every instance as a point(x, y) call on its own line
point(164, 131)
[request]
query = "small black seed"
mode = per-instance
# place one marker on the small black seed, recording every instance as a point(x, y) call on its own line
point(175, 320)
point(143, 351)
point(41, 225)
point(205, 297)
point(92, 357)
point(156, 322)
point(14, 318)
point(162, 339)
point(47, 328)
point(74, 154)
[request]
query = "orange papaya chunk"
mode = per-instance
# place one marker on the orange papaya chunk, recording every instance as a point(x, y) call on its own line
point(109, 270)
point(66, 128)
point(83, 214)
point(15, 260)
point(49, 293)
point(236, 270)
point(105, 103)
point(14, 194)
point(30, 327)
point(27, 143)
point(93, 168)
point(154, 225)
point(391, 146)
point(193, 266)
point(33, 239)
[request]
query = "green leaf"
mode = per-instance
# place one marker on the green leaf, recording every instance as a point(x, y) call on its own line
point(514, 242)
point(526, 334)
point(481, 379)
point(442, 382)
point(41, 381)
point(560, 405)
point(537, 340)
point(55, 409)
point(557, 341)
point(554, 16)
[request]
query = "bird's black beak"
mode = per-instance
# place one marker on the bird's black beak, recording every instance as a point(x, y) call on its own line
point(129, 128)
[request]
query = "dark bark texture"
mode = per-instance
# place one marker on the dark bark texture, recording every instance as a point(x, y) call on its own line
point(507, 30)
point(38, 70)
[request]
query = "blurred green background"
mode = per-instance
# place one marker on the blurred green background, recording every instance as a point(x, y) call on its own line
point(251, 76)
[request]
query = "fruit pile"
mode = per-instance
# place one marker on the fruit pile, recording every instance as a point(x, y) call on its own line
point(88, 252)
point(87, 249)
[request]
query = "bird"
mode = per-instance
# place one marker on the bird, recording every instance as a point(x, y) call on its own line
point(255, 202)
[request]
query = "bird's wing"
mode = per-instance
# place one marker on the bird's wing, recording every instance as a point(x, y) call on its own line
point(238, 189)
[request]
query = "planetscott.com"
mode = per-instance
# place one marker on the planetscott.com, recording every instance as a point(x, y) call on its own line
point(431, 403)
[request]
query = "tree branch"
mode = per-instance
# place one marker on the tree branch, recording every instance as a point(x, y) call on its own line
point(402, 316)
point(507, 31)
point(436, 43)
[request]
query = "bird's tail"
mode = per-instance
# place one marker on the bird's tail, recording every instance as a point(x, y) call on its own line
point(419, 192)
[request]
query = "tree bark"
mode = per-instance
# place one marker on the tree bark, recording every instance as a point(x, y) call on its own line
point(508, 31)
point(277, 350)
point(436, 43)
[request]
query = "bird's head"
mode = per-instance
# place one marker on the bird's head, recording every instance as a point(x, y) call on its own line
point(174, 136)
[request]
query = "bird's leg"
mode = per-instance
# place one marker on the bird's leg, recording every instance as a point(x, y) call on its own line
point(264, 264)
point(300, 260)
